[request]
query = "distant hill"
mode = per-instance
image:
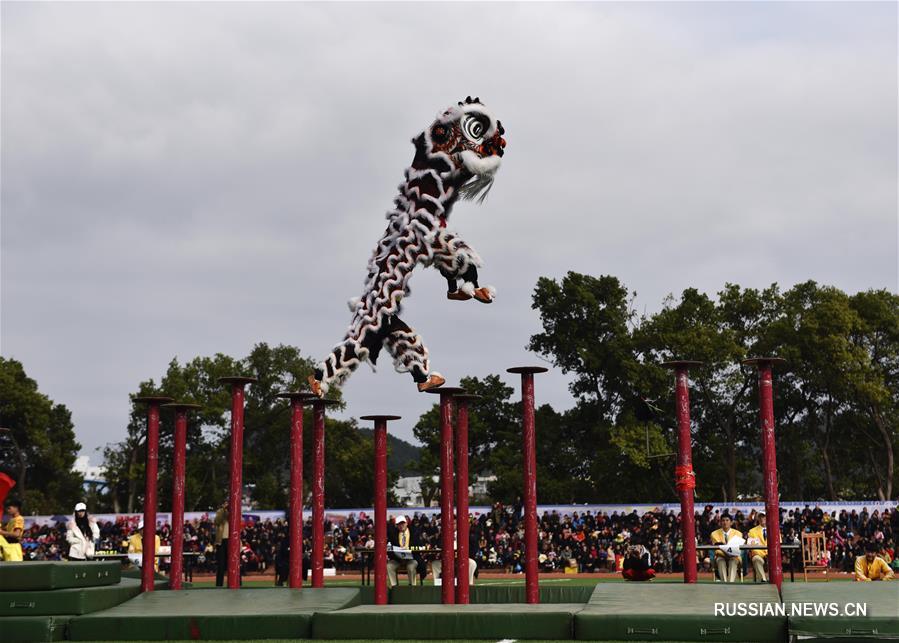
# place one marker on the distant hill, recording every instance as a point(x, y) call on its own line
point(400, 453)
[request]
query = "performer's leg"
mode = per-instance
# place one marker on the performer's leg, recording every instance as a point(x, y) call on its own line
point(732, 568)
point(410, 355)
point(457, 261)
point(472, 568)
point(436, 567)
point(412, 571)
point(336, 367)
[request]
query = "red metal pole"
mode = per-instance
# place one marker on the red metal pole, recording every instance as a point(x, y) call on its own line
point(179, 459)
point(529, 452)
point(380, 503)
point(462, 518)
point(769, 451)
point(148, 548)
point(684, 477)
point(318, 491)
point(447, 557)
point(295, 512)
point(235, 494)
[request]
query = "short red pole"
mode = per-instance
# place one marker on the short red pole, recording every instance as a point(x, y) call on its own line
point(447, 556)
point(179, 461)
point(684, 477)
point(462, 518)
point(295, 512)
point(380, 503)
point(769, 453)
point(235, 494)
point(318, 491)
point(148, 549)
point(529, 452)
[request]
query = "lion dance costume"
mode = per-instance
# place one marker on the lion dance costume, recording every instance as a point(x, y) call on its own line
point(458, 155)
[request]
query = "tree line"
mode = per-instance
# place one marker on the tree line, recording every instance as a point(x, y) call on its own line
point(836, 398)
point(836, 408)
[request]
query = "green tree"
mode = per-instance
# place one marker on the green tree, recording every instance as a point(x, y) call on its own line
point(349, 454)
point(45, 434)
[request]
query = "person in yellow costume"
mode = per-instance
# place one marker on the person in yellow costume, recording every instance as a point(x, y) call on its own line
point(136, 546)
point(758, 535)
point(727, 565)
point(871, 566)
point(11, 533)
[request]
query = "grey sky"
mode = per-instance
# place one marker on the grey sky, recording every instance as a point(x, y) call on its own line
point(184, 179)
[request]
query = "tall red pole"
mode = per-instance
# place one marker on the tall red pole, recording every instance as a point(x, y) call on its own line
point(148, 549)
point(318, 491)
point(447, 556)
point(462, 518)
point(684, 477)
point(179, 461)
point(380, 503)
point(235, 494)
point(769, 454)
point(529, 452)
point(295, 512)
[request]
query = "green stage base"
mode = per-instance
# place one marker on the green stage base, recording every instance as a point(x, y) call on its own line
point(880, 601)
point(650, 612)
point(46, 575)
point(76, 600)
point(212, 614)
point(33, 628)
point(422, 622)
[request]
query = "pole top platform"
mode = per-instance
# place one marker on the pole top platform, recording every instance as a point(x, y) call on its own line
point(468, 397)
point(301, 396)
point(380, 417)
point(181, 406)
point(524, 370)
point(761, 361)
point(324, 401)
point(153, 399)
point(682, 363)
point(237, 379)
point(446, 390)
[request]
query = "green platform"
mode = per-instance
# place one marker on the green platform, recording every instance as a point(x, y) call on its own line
point(675, 612)
point(46, 575)
point(33, 628)
point(481, 594)
point(78, 600)
point(213, 614)
point(422, 622)
point(880, 599)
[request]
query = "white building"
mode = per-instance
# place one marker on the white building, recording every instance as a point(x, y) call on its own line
point(408, 490)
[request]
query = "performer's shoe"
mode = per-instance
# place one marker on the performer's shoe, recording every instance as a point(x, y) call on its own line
point(315, 386)
point(484, 295)
point(458, 295)
point(432, 382)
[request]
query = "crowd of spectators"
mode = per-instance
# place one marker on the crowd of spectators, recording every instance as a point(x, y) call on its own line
point(582, 541)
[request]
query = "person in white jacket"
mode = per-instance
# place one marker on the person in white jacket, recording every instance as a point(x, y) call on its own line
point(81, 533)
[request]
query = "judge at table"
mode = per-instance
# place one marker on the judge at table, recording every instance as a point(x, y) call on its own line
point(727, 562)
point(401, 538)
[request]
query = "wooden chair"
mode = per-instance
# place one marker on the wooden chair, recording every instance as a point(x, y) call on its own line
point(813, 550)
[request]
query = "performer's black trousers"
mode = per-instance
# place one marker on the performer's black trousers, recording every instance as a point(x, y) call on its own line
point(221, 562)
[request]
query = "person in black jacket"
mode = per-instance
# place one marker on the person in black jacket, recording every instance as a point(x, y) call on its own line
point(637, 565)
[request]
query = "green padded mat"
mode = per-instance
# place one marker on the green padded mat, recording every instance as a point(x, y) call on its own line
point(34, 628)
point(518, 621)
point(46, 575)
point(78, 600)
point(677, 612)
point(271, 612)
point(480, 594)
point(880, 599)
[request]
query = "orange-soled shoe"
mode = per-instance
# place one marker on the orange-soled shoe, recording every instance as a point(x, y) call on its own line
point(484, 295)
point(458, 295)
point(433, 382)
point(315, 386)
